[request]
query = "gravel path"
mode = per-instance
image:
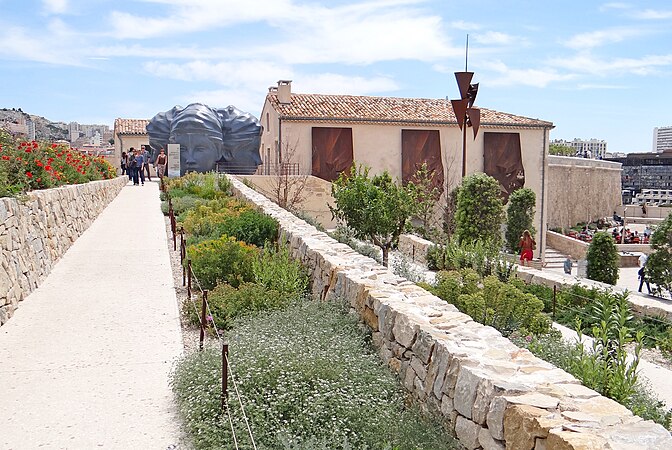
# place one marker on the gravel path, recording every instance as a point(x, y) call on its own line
point(84, 362)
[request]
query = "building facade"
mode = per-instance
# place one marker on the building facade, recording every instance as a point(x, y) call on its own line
point(662, 139)
point(592, 148)
point(642, 171)
point(325, 134)
point(128, 133)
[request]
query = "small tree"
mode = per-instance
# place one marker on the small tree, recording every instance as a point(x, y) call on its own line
point(426, 194)
point(375, 208)
point(602, 259)
point(519, 217)
point(659, 263)
point(561, 150)
point(480, 212)
point(288, 185)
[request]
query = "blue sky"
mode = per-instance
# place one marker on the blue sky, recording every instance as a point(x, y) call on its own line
point(595, 69)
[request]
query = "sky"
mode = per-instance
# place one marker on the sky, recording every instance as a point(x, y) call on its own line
point(595, 69)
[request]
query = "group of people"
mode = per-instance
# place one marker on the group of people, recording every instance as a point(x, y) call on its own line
point(136, 163)
point(625, 236)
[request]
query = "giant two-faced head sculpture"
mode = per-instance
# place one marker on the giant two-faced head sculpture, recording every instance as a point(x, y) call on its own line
point(226, 138)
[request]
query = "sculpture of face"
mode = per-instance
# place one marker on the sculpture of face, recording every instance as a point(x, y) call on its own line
point(198, 152)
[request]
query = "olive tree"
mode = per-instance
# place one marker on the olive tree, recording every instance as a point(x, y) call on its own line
point(659, 263)
point(376, 208)
point(519, 217)
point(480, 212)
point(602, 259)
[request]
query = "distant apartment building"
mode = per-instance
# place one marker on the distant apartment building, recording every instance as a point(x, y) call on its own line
point(656, 197)
point(644, 171)
point(662, 139)
point(592, 148)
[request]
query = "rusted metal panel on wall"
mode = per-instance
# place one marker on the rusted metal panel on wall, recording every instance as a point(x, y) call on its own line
point(332, 152)
point(503, 160)
point(420, 146)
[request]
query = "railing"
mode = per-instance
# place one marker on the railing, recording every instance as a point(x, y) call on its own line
point(282, 169)
point(206, 320)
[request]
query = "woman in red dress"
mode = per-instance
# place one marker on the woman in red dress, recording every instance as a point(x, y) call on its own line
point(527, 245)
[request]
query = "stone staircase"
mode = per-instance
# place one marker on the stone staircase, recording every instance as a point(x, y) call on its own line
point(553, 258)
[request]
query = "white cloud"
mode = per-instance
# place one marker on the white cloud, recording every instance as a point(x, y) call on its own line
point(615, 5)
point(55, 6)
point(651, 14)
point(331, 83)
point(52, 48)
point(466, 26)
point(494, 38)
point(506, 76)
point(601, 37)
point(602, 67)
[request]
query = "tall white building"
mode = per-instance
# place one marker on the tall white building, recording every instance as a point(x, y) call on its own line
point(662, 139)
point(592, 148)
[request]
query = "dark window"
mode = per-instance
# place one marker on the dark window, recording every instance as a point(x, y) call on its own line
point(418, 147)
point(332, 152)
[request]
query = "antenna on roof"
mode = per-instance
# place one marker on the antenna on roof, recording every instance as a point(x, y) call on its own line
point(466, 54)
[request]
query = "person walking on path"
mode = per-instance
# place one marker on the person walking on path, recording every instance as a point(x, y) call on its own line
point(133, 166)
point(124, 162)
point(140, 161)
point(642, 279)
point(567, 266)
point(145, 166)
point(527, 246)
point(160, 163)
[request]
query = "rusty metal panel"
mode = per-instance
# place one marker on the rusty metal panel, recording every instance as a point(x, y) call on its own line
point(332, 152)
point(417, 147)
point(503, 160)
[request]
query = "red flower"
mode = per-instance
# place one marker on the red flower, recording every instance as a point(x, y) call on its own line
point(28, 150)
point(47, 168)
point(38, 163)
point(29, 174)
point(5, 157)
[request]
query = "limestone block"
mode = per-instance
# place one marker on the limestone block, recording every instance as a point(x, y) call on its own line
point(404, 330)
point(447, 405)
point(423, 346)
point(437, 369)
point(534, 399)
point(419, 368)
point(468, 380)
point(524, 423)
point(467, 432)
point(568, 440)
point(409, 377)
point(386, 318)
point(486, 440)
point(634, 436)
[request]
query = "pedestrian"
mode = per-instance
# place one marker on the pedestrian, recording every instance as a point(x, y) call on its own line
point(140, 161)
point(644, 209)
point(643, 279)
point(527, 246)
point(146, 158)
point(567, 265)
point(124, 161)
point(133, 166)
point(160, 163)
point(647, 232)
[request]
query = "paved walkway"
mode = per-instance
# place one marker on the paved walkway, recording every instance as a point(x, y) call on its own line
point(84, 362)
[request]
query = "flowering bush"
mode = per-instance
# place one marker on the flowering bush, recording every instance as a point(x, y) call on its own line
point(31, 165)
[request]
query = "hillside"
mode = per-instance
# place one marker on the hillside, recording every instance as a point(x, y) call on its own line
point(44, 128)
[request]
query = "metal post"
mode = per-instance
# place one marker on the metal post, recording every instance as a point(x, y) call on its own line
point(203, 308)
point(225, 373)
point(189, 279)
point(555, 292)
point(182, 255)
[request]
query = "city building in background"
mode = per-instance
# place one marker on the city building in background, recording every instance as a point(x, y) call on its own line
point(662, 139)
point(593, 148)
point(645, 171)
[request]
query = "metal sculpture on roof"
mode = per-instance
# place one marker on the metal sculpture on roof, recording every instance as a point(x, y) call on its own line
point(224, 139)
point(465, 113)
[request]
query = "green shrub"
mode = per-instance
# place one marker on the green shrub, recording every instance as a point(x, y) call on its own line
point(346, 236)
point(309, 380)
point(222, 260)
point(252, 226)
point(227, 303)
point(519, 217)
point(436, 257)
point(602, 259)
point(659, 264)
point(181, 205)
point(480, 212)
point(276, 270)
point(479, 256)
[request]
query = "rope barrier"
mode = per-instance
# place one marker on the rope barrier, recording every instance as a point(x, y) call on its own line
point(242, 408)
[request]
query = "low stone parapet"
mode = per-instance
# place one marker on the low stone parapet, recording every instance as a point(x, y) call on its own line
point(490, 393)
point(414, 247)
point(35, 232)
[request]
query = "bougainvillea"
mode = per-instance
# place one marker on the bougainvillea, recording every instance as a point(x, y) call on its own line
point(30, 165)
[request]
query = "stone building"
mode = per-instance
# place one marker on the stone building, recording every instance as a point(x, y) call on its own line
point(325, 134)
point(128, 133)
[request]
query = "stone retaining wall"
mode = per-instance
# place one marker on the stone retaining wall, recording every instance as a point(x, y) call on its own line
point(414, 247)
point(491, 394)
point(36, 232)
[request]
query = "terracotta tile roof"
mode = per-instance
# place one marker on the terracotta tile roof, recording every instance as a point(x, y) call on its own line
point(354, 108)
point(130, 126)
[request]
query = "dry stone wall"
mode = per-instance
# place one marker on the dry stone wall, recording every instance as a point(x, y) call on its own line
point(37, 231)
point(491, 394)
